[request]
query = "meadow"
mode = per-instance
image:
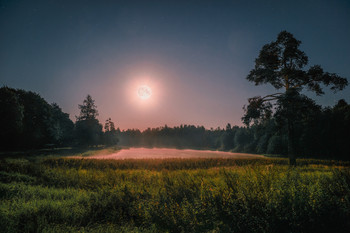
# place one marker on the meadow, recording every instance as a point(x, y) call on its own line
point(60, 194)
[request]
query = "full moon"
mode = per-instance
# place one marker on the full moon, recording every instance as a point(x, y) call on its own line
point(144, 92)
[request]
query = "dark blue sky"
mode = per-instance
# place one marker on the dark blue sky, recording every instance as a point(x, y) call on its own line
point(195, 55)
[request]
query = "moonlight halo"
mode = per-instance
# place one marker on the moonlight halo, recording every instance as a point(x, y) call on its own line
point(144, 92)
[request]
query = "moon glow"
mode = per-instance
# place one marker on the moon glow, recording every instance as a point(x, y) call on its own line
point(144, 92)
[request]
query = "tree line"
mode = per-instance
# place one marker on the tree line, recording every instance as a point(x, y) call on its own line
point(28, 122)
point(285, 122)
point(321, 133)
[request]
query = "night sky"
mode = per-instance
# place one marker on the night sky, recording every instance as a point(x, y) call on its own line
point(194, 55)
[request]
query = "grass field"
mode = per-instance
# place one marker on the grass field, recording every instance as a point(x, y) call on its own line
point(39, 194)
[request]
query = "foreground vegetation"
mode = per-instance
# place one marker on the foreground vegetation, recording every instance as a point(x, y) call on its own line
point(176, 195)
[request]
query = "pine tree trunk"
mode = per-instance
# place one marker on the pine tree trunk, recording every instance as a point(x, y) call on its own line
point(291, 144)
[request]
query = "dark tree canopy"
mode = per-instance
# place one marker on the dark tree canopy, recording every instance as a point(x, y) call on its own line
point(88, 130)
point(61, 126)
point(28, 121)
point(110, 134)
point(12, 114)
point(109, 125)
point(88, 110)
point(283, 65)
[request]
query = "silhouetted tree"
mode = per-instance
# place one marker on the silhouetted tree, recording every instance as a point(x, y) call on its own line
point(296, 112)
point(281, 64)
point(87, 127)
point(335, 130)
point(263, 133)
point(28, 121)
point(110, 134)
point(88, 110)
point(36, 121)
point(12, 113)
point(228, 138)
point(61, 126)
point(244, 140)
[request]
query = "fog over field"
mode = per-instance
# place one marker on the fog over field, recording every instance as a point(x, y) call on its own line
point(166, 153)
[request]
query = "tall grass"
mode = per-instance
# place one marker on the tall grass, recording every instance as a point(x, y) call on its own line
point(194, 195)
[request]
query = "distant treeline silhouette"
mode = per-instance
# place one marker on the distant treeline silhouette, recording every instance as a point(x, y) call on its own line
point(28, 121)
point(322, 133)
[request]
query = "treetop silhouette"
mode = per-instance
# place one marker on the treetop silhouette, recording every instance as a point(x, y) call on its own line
point(88, 110)
point(283, 65)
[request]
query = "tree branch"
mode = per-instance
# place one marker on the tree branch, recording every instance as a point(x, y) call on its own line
point(272, 96)
point(299, 85)
point(264, 100)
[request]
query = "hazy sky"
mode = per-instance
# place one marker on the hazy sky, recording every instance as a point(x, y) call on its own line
point(194, 55)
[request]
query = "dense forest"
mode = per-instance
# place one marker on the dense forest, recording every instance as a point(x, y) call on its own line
point(28, 122)
point(321, 133)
